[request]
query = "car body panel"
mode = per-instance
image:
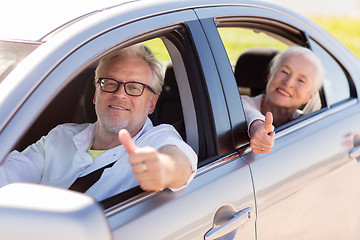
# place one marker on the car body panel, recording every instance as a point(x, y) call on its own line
point(306, 187)
point(197, 200)
point(64, 66)
point(65, 214)
point(307, 184)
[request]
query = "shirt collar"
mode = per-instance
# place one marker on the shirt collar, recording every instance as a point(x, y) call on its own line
point(84, 138)
point(148, 125)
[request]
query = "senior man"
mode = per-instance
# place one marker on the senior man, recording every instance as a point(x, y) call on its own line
point(122, 143)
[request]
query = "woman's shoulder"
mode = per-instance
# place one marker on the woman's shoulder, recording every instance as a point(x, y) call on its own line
point(250, 98)
point(254, 102)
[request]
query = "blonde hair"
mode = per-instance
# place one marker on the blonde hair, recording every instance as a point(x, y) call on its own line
point(139, 51)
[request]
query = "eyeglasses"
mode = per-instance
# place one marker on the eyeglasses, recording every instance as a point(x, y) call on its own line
point(131, 88)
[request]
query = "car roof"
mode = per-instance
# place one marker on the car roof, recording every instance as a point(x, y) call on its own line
point(34, 20)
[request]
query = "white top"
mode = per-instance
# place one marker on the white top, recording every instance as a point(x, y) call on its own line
point(59, 158)
point(252, 109)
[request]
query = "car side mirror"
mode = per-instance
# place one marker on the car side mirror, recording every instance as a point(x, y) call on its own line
point(31, 211)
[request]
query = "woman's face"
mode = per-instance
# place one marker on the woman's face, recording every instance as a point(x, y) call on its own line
point(292, 83)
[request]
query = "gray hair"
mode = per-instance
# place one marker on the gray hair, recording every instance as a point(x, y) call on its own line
point(276, 62)
point(141, 52)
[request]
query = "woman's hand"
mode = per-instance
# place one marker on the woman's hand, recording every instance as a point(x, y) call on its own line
point(262, 135)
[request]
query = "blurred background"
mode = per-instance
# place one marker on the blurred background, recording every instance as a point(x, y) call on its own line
point(341, 18)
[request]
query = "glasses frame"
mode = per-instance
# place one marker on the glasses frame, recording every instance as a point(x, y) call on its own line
point(124, 84)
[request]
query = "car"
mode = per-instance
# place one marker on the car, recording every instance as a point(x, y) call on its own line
point(306, 187)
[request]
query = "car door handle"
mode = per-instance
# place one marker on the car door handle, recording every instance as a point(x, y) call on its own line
point(355, 152)
point(238, 220)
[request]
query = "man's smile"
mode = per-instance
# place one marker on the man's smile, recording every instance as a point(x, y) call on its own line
point(119, 108)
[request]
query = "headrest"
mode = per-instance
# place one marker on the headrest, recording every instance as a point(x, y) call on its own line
point(170, 84)
point(252, 68)
point(89, 107)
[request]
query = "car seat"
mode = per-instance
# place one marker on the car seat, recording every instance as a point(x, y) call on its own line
point(168, 108)
point(62, 109)
point(88, 96)
point(252, 69)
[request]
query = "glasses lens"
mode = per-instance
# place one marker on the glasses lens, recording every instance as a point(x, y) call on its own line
point(134, 89)
point(109, 85)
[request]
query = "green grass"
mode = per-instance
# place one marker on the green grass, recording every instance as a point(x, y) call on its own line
point(345, 30)
point(236, 40)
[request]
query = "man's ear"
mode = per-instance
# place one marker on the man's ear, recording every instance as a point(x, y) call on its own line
point(153, 103)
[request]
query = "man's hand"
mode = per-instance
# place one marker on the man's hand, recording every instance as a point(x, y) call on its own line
point(156, 170)
point(262, 134)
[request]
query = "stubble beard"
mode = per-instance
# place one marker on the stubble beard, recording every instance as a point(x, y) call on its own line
point(113, 126)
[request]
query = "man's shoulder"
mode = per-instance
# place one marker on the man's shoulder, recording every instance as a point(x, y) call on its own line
point(163, 129)
point(158, 133)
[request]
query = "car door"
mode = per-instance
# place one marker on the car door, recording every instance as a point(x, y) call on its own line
point(219, 202)
point(307, 187)
point(210, 206)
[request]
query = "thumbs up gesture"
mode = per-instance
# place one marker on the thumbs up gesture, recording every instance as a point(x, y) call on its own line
point(146, 164)
point(262, 135)
point(167, 167)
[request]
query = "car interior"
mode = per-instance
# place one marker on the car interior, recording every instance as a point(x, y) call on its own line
point(168, 108)
point(250, 71)
point(257, 43)
point(74, 103)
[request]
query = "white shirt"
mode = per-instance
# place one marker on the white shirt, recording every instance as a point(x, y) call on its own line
point(59, 158)
point(252, 109)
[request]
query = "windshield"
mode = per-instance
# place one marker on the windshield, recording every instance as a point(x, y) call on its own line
point(11, 53)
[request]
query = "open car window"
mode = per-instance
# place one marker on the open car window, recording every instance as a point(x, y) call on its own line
point(251, 46)
point(249, 51)
point(74, 102)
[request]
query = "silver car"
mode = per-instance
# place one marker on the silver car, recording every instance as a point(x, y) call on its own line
point(307, 187)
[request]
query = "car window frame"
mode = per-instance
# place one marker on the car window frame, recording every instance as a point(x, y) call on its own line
point(80, 59)
point(279, 24)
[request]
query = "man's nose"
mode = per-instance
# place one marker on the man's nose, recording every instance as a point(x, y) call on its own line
point(121, 91)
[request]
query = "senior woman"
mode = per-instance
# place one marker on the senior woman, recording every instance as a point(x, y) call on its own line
point(295, 76)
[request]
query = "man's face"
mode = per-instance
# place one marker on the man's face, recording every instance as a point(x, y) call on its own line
point(118, 110)
point(293, 82)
